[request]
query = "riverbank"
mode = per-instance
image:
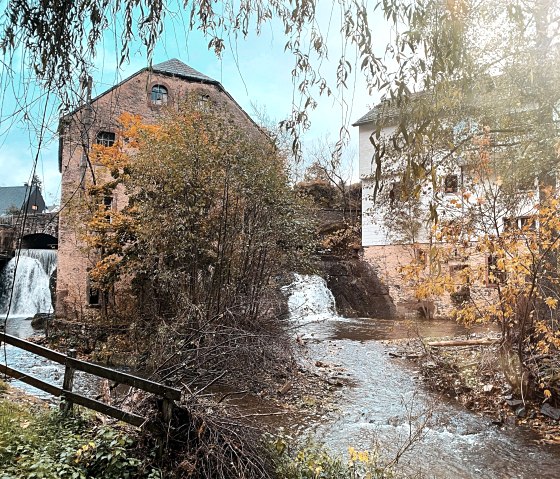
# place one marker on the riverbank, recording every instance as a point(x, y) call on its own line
point(470, 375)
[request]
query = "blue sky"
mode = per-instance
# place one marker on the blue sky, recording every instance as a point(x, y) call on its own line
point(254, 70)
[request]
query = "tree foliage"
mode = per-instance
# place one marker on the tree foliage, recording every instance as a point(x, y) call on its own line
point(210, 221)
point(210, 212)
point(58, 42)
point(492, 121)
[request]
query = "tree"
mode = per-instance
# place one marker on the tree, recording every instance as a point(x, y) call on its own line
point(210, 221)
point(494, 123)
point(58, 41)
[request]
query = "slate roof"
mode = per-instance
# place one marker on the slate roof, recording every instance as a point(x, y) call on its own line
point(177, 68)
point(15, 196)
point(386, 110)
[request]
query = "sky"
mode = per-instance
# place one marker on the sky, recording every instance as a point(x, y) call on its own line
point(255, 70)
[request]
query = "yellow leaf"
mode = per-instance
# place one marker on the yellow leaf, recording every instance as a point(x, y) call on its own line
point(551, 302)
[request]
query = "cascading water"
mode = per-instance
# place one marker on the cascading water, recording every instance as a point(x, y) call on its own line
point(310, 300)
point(29, 286)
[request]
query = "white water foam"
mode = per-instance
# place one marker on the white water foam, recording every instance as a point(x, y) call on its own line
point(309, 300)
point(31, 292)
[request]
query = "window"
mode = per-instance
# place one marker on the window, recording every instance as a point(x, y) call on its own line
point(159, 95)
point(93, 296)
point(395, 195)
point(510, 224)
point(527, 223)
point(451, 183)
point(420, 256)
point(203, 102)
point(108, 205)
point(520, 223)
point(105, 138)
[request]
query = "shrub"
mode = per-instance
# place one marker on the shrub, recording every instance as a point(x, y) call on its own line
point(46, 444)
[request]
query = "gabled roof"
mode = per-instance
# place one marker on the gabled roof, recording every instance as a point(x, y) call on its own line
point(16, 196)
point(177, 68)
point(173, 68)
point(386, 110)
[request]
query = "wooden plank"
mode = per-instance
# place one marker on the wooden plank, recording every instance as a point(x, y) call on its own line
point(31, 380)
point(68, 383)
point(103, 408)
point(33, 348)
point(101, 371)
point(128, 379)
point(76, 398)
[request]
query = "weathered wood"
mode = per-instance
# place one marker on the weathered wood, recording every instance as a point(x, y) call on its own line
point(33, 348)
point(128, 379)
point(31, 380)
point(101, 371)
point(462, 342)
point(75, 398)
point(68, 383)
point(103, 408)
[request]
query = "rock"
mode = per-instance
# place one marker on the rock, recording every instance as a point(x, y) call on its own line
point(514, 402)
point(521, 411)
point(39, 321)
point(488, 388)
point(357, 288)
point(550, 411)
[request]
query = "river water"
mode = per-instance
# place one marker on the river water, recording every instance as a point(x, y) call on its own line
point(384, 391)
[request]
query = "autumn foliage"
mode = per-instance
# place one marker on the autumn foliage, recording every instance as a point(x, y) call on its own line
point(200, 220)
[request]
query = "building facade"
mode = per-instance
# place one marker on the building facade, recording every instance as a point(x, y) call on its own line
point(394, 237)
point(148, 94)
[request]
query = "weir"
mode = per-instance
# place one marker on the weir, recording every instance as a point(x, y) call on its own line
point(27, 280)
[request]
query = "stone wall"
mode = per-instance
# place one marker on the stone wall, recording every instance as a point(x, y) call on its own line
point(388, 261)
point(357, 289)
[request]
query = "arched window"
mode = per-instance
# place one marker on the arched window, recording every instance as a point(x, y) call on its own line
point(105, 138)
point(159, 95)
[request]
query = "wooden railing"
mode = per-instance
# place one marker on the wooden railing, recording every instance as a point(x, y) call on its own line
point(169, 394)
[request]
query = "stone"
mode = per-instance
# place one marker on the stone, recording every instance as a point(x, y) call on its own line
point(357, 288)
point(521, 411)
point(550, 411)
point(39, 321)
point(514, 402)
point(488, 388)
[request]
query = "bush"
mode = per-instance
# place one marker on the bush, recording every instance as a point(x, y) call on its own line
point(46, 444)
point(310, 460)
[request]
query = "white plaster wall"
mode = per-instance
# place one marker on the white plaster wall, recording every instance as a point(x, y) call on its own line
point(374, 232)
point(366, 150)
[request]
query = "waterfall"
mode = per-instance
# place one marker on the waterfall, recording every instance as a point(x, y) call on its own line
point(310, 300)
point(31, 291)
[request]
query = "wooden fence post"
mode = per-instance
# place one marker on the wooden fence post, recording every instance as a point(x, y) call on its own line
point(166, 410)
point(66, 405)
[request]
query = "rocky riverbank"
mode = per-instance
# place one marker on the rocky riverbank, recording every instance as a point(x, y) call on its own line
point(470, 375)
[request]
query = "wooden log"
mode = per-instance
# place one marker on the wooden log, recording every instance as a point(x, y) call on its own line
point(462, 342)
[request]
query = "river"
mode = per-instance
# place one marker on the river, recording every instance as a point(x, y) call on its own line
point(457, 443)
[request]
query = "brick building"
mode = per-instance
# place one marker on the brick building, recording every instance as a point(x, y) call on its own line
point(147, 93)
